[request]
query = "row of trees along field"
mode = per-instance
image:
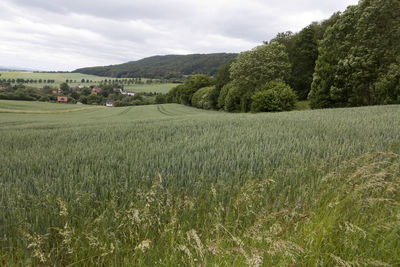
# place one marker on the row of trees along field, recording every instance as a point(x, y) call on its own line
point(350, 59)
point(105, 81)
point(22, 81)
point(126, 81)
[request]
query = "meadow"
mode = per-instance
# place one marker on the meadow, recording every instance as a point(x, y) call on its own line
point(171, 185)
point(77, 78)
point(150, 88)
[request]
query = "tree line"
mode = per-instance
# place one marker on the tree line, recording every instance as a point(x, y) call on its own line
point(350, 59)
point(22, 81)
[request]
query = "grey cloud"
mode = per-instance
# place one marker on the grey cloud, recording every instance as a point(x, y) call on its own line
point(72, 34)
point(118, 9)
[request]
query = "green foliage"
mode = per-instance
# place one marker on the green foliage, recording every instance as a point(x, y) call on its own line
point(172, 96)
point(274, 96)
point(232, 101)
point(172, 185)
point(202, 98)
point(262, 64)
point(302, 49)
point(388, 85)
point(356, 55)
point(161, 99)
point(303, 57)
point(183, 93)
point(222, 77)
point(94, 100)
point(223, 94)
point(64, 88)
point(254, 68)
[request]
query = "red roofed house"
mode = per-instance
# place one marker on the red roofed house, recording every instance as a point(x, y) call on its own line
point(62, 99)
point(95, 90)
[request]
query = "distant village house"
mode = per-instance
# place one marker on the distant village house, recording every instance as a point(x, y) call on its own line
point(126, 93)
point(110, 103)
point(95, 90)
point(62, 99)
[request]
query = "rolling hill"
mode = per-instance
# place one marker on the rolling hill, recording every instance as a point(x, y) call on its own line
point(170, 66)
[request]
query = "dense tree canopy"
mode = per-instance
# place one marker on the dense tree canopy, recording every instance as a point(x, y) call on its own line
point(183, 93)
point(359, 57)
point(303, 57)
point(302, 49)
point(252, 69)
point(273, 96)
point(202, 98)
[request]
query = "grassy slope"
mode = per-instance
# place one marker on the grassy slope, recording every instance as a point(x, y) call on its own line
point(159, 88)
point(172, 184)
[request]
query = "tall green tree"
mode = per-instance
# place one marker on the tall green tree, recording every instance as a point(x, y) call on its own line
point(358, 51)
point(303, 57)
point(183, 93)
point(64, 88)
point(252, 69)
point(222, 77)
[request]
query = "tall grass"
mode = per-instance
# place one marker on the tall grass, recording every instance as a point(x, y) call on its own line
point(170, 185)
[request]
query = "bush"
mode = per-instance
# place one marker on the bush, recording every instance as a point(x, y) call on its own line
point(202, 98)
point(161, 99)
point(222, 95)
point(388, 86)
point(232, 99)
point(274, 96)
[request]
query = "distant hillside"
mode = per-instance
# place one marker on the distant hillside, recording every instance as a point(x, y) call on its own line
point(171, 66)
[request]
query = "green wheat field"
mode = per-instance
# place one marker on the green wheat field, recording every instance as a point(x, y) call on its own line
point(169, 185)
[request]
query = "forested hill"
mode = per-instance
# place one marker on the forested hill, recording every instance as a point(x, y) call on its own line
point(170, 66)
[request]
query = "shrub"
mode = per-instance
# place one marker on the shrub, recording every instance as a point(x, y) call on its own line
point(222, 95)
point(202, 98)
point(161, 99)
point(232, 99)
point(274, 96)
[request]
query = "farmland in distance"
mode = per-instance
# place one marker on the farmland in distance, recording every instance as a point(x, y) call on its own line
point(74, 79)
point(173, 185)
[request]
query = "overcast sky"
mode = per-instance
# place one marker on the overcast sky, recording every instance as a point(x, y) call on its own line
point(69, 34)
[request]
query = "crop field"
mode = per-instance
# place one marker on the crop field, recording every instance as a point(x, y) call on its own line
point(169, 185)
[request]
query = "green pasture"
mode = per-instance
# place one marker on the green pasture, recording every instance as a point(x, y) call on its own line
point(171, 185)
point(62, 77)
point(37, 107)
point(158, 88)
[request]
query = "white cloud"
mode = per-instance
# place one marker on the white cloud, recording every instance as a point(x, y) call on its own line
point(64, 35)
